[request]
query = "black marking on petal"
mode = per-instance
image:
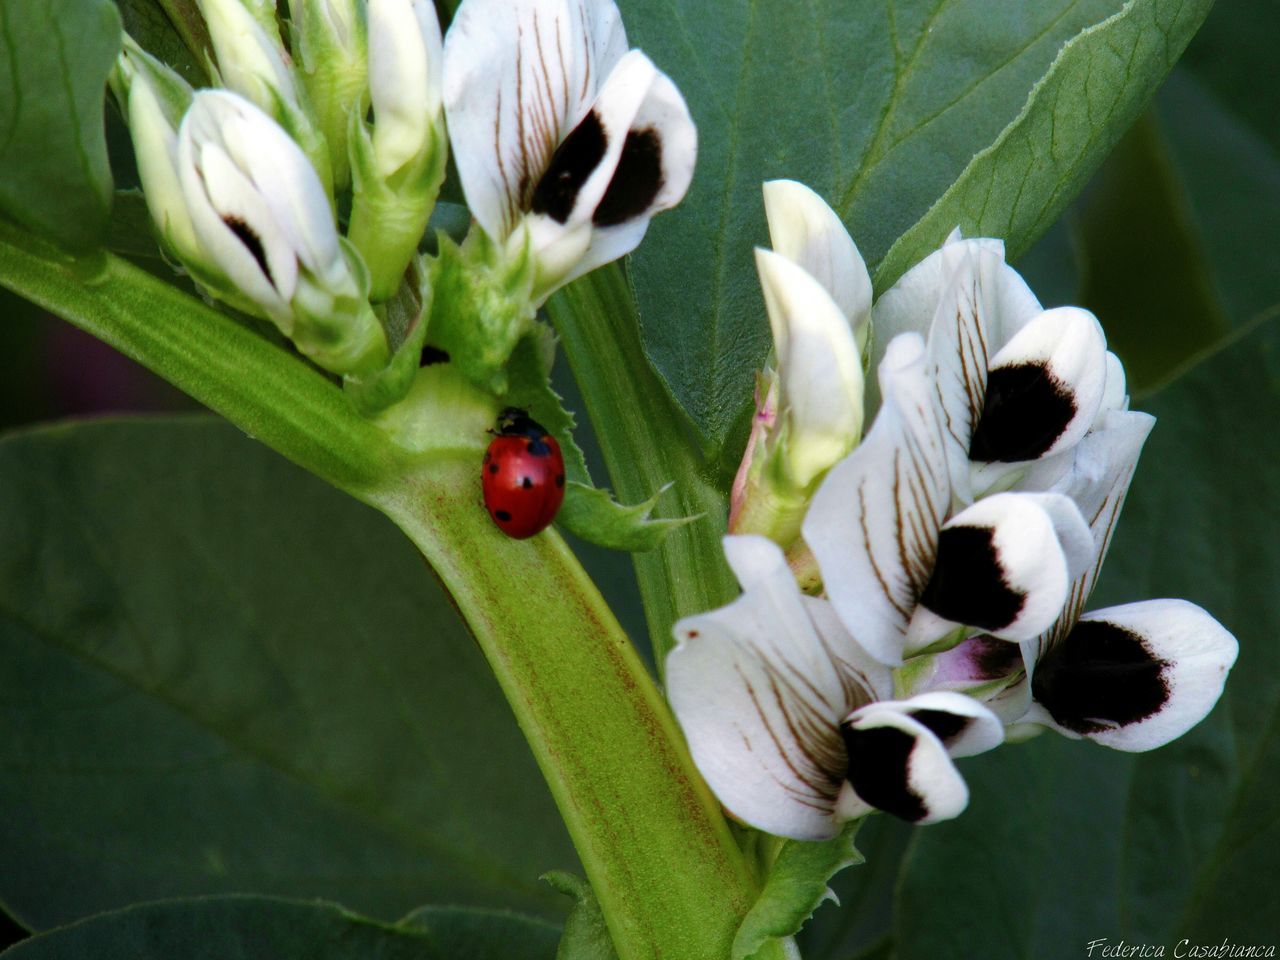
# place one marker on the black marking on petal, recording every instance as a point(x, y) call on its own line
point(502, 516)
point(879, 770)
point(251, 241)
point(570, 166)
point(1025, 411)
point(635, 182)
point(967, 585)
point(432, 355)
point(995, 659)
point(1100, 675)
point(947, 727)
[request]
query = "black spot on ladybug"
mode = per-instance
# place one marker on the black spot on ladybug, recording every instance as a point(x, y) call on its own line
point(527, 483)
point(502, 515)
point(570, 166)
point(559, 479)
point(493, 468)
point(538, 447)
point(432, 355)
point(251, 241)
point(636, 180)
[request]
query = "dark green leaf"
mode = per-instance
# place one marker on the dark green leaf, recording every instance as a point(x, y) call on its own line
point(1144, 271)
point(218, 928)
point(586, 937)
point(795, 887)
point(879, 107)
point(221, 675)
point(1183, 841)
point(472, 934)
point(1096, 87)
point(147, 22)
point(54, 61)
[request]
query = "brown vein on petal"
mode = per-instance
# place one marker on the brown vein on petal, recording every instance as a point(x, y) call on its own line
point(781, 750)
point(871, 557)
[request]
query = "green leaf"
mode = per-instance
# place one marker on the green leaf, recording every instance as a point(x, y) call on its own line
point(1144, 270)
point(880, 108)
point(586, 937)
point(1096, 87)
point(593, 515)
point(795, 887)
point(221, 927)
point(222, 675)
point(148, 23)
point(1182, 841)
point(473, 934)
point(54, 61)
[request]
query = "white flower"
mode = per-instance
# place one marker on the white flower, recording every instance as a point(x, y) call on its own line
point(790, 721)
point(902, 570)
point(405, 63)
point(262, 218)
point(564, 141)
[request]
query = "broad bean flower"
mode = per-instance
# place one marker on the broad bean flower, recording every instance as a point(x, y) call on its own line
point(566, 141)
point(957, 546)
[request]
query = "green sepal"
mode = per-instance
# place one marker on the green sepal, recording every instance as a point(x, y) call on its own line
point(585, 937)
point(588, 512)
point(592, 514)
point(404, 322)
point(482, 306)
point(796, 885)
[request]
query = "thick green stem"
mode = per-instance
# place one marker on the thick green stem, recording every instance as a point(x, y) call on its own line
point(646, 445)
point(660, 856)
point(597, 724)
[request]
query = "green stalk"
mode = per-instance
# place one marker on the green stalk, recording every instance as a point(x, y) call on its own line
point(660, 856)
point(646, 446)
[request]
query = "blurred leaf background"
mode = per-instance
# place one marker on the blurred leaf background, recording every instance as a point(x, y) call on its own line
point(153, 745)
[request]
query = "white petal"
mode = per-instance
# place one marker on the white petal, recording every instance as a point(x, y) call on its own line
point(1095, 474)
point(912, 303)
point(251, 62)
point(809, 233)
point(898, 765)
point(518, 77)
point(605, 245)
point(963, 725)
point(861, 671)
point(1000, 567)
point(760, 700)
point(1137, 676)
point(1044, 388)
point(819, 367)
point(873, 524)
point(1114, 394)
point(405, 60)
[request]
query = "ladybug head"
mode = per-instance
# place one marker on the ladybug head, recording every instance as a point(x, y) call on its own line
point(514, 422)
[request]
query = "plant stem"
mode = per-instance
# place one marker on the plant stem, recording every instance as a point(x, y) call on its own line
point(646, 446)
point(660, 856)
point(599, 728)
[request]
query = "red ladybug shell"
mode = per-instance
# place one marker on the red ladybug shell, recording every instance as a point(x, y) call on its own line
point(523, 476)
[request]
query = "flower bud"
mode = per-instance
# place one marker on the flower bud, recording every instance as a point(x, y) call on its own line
point(252, 62)
point(398, 166)
point(330, 41)
point(153, 99)
point(262, 217)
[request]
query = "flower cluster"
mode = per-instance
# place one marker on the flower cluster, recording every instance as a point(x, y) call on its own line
point(955, 547)
point(565, 140)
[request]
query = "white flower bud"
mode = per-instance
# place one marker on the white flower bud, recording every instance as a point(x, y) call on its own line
point(262, 216)
point(251, 61)
point(405, 61)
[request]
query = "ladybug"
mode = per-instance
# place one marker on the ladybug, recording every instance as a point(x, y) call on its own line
point(523, 475)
